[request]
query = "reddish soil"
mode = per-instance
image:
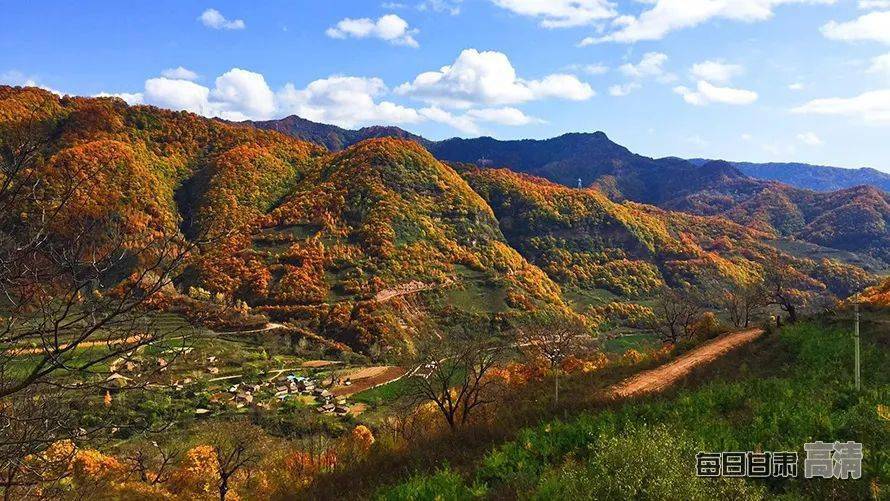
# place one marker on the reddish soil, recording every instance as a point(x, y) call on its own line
point(662, 377)
point(376, 377)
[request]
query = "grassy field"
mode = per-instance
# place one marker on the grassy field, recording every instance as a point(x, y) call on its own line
point(779, 393)
point(640, 342)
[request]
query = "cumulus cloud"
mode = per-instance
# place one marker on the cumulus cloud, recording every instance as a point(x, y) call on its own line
point(809, 139)
point(666, 16)
point(488, 78)
point(345, 101)
point(621, 90)
point(131, 98)
point(447, 6)
point(716, 72)
point(502, 116)
point(238, 95)
point(712, 87)
point(462, 123)
point(874, 4)
point(178, 95)
point(561, 13)
point(244, 92)
point(17, 78)
point(179, 73)
point(390, 28)
point(880, 65)
point(213, 18)
point(590, 69)
point(651, 65)
point(796, 86)
point(874, 26)
point(873, 106)
point(707, 93)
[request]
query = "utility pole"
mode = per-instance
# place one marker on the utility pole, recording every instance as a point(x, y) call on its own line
point(856, 344)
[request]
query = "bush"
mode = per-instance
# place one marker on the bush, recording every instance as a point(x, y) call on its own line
point(445, 485)
point(640, 464)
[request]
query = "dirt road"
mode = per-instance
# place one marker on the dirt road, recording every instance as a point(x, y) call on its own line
point(658, 379)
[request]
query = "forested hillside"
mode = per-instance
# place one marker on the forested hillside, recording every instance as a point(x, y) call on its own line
point(811, 177)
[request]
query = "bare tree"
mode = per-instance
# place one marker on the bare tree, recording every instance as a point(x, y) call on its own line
point(75, 292)
point(151, 462)
point(788, 288)
point(553, 338)
point(237, 446)
point(454, 372)
point(676, 311)
point(744, 302)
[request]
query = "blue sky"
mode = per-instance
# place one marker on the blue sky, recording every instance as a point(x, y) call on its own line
point(757, 80)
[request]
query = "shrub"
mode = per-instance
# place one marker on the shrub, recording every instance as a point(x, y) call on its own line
point(640, 464)
point(443, 485)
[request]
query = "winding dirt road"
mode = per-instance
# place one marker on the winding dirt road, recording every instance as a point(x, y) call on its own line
point(662, 377)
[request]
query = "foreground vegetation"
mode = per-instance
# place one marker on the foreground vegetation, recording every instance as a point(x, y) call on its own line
point(798, 390)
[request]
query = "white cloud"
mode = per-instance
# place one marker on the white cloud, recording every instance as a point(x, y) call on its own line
point(746, 136)
point(238, 95)
point(448, 6)
point(880, 65)
point(130, 98)
point(502, 116)
point(707, 93)
point(809, 139)
point(666, 16)
point(561, 13)
point(651, 65)
point(178, 95)
point(212, 18)
point(590, 69)
point(244, 92)
point(796, 86)
point(560, 86)
point(488, 78)
point(17, 78)
point(874, 26)
point(179, 73)
point(716, 72)
point(345, 101)
point(390, 27)
point(874, 4)
point(623, 89)
point(873, 106)
point(462, 123)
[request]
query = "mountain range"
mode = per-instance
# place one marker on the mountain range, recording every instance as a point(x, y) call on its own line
point(546, 156)
point(711, 188)
point(369, 244)
point(811, 177)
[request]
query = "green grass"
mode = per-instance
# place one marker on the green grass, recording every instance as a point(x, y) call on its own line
point(380, 395)
point(640, 342)
point(645, 449)
point(580, 299)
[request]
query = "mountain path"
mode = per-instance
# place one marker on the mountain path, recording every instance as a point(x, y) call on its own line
point(660, 378)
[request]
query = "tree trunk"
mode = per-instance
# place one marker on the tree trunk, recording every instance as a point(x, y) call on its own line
point(223, 488)
point(792, 314)
point(556, 387)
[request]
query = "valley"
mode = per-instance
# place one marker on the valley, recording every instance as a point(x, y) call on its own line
point(329, 303)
